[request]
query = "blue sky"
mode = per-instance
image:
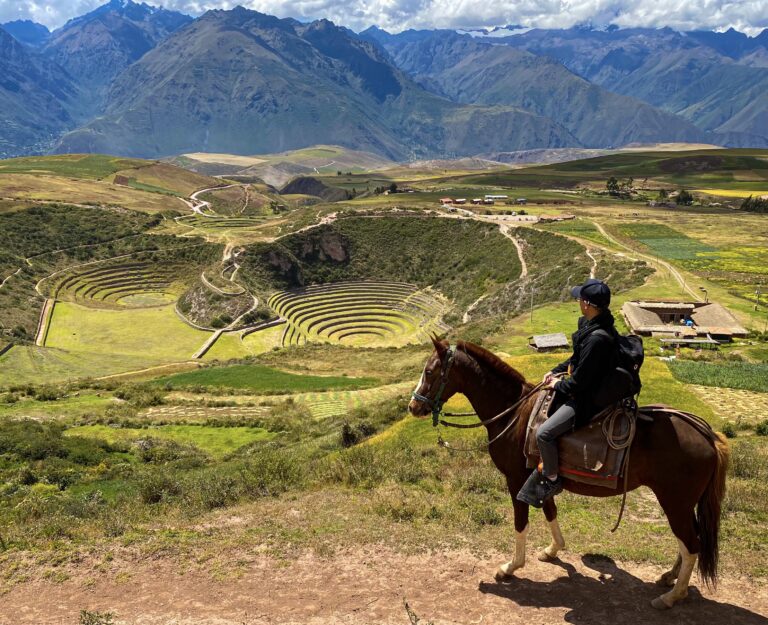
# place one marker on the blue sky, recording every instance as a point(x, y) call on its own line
point(749, 16)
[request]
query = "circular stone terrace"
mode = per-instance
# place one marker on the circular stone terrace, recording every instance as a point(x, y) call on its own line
point(359, 313)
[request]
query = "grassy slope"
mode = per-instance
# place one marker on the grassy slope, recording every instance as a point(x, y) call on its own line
point(94, 166)
point(425, 251)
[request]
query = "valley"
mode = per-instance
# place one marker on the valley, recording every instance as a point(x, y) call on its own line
point(244, 352)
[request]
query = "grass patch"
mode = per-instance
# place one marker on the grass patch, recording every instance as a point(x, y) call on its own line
point(261, 379)
point(741, 375)
point(154, 334)
point(216, 441)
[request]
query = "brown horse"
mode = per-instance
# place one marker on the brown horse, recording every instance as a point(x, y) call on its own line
point(684, 466)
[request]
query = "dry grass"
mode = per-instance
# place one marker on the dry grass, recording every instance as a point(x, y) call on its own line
point(83, 191)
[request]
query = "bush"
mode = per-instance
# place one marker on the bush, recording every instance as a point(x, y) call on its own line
point(162, 451)
point(762, 428)
point(729, 429)
point(157, 486)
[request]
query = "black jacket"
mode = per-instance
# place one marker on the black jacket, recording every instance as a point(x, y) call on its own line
point(593, 359)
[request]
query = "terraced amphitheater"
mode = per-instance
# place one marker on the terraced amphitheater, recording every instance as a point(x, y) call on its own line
point(221, 223)
point(133, 283)
point(359, 313)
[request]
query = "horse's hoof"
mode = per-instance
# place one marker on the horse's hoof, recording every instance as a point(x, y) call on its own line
point(502, 576)
point(545, 557)
point(667, 580)
point(660, 604)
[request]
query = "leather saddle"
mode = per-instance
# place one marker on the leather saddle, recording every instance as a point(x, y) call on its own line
point(585, 453)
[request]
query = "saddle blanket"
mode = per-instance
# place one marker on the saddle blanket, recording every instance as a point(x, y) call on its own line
point(585, 455)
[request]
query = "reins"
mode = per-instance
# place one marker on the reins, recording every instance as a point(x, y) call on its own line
point(483, 446)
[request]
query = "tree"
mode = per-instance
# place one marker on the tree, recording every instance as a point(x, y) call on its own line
point(755, 205)
point(684, 198)
point(612, 185)
point(393, 188)
point(663, 196)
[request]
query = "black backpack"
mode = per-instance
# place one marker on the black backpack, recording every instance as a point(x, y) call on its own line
point(623, 381)
point(630, 358)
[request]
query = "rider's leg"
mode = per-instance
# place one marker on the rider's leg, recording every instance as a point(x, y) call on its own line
point(558, 424)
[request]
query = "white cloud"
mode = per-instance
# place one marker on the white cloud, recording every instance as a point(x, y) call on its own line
point(395, 15)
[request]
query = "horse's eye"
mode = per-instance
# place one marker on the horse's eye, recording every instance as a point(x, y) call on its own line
point(429, 372)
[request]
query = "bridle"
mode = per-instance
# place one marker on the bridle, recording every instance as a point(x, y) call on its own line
point(435, 403)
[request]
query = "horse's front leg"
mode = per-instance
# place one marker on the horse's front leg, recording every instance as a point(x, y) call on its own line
point(558, 542)
point(506, 571)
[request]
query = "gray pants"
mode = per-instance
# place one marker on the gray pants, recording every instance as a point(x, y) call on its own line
point(558, 424)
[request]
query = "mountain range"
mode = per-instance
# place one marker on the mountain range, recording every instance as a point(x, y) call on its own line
point(136, 80)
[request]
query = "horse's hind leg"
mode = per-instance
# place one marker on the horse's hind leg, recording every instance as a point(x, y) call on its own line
point(680, 589)
point(683, 523)
point(558, 542)
point(668, 578)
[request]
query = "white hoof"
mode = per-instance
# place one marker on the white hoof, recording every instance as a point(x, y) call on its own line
point(667, 600)
point(506, 572)
point(545, 556)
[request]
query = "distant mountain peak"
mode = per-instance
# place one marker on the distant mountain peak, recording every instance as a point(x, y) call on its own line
point(27, 31)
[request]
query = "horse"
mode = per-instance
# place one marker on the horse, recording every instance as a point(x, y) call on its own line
point(683, 465)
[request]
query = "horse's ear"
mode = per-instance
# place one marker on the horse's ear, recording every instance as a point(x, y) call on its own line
point(440, 347)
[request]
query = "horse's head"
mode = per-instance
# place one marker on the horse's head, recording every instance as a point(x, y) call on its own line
point(437, 383)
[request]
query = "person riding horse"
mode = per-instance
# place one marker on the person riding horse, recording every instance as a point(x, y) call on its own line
point(594, 346)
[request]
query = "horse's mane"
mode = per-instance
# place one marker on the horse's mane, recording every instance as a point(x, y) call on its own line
point(491, 360)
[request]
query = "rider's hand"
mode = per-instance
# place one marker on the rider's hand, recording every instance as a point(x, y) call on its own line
point(548, 377)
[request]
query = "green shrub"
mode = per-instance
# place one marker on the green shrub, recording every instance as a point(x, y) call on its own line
point(157, 486)
point(761, 429)
point(729, 429)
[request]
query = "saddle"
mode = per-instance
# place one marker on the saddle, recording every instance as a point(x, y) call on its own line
point(593, 454)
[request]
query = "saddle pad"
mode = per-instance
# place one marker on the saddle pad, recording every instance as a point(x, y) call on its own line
point(585, 455)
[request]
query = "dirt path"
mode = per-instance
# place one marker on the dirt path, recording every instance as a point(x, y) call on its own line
point(44, 321)
point(15, 273)
point(368, 586)
point(593, 268)
point(523, 265)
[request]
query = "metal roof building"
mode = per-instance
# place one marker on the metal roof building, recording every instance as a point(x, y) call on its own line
point(681, 319)
point(547, 342)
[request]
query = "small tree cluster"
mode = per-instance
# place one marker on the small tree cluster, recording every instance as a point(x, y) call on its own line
point(755, 204)
point(622, 189)
point(684, 198)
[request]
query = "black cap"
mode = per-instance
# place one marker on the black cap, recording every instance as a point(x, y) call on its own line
point(595, 292)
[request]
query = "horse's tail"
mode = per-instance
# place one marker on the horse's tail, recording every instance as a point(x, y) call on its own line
point(708, 514)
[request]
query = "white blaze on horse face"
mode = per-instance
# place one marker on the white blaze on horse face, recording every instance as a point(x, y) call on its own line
point(421, 379)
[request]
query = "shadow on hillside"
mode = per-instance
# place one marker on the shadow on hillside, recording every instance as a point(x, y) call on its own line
point(621, 598)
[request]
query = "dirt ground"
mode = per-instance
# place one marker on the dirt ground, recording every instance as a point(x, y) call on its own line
point(368, 587)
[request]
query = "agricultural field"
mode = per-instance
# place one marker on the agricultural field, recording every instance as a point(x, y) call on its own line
point(122, 444)
point(259, 379)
